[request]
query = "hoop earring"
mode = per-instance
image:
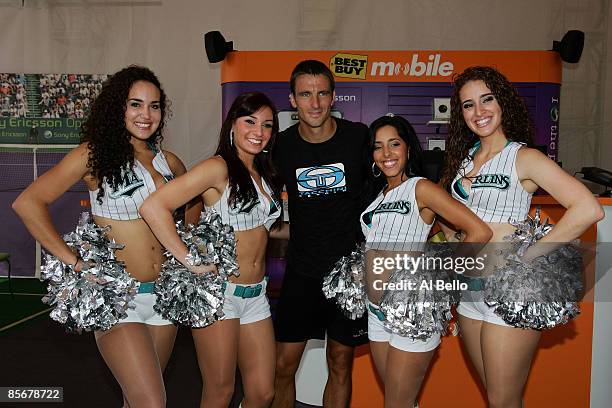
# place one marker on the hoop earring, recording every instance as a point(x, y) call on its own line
point(231, 137)
point(374, 167)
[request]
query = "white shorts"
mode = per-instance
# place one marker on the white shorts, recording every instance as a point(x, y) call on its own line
point(378, 332)
point(473, 307)
point(141, 311)
point(248, 310)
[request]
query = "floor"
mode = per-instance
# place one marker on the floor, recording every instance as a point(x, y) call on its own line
point(42, 354)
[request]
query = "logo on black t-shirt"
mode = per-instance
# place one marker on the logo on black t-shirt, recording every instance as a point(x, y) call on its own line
point(320, 180)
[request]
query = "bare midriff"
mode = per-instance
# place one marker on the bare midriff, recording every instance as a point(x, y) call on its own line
point(142, 254)
point(491, 252)
point(251, 254)
point(500, 230)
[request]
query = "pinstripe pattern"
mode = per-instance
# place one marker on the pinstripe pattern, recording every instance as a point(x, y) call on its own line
point(123, 203)
point(265, 212)
point(393, 221)
point(496, 193)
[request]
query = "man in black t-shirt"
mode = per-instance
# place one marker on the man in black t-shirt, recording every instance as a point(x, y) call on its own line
point(322, 162)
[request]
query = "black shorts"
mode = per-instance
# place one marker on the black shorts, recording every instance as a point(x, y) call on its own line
point(303, 313)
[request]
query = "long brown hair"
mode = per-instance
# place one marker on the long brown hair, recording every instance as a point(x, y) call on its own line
point(242, 190)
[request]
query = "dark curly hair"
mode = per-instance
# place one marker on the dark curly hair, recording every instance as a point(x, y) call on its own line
point(515, 121)
point(110, 150)
point(242, 190)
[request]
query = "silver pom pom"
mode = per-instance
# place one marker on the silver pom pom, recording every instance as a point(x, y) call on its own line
point(196, 300)
point(97, 297)
point(211, 242)
point(540, 294)
point(417, 303)
point(183, 297)
point(344, 284)
point(528, 232)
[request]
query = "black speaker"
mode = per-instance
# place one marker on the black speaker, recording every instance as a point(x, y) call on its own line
point(570, 47)
point(216, 46)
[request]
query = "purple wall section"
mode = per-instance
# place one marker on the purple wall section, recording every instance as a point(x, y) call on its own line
point(15, 238)
point(547, 119)
point(365, 102)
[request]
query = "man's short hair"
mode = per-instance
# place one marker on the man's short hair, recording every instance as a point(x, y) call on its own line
point(311, 67)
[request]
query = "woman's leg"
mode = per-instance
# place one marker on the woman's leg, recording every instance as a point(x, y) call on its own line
point(163, 339)
point(379, 350)
point(256, 359)
point(379, 340)
point(507, 353)
point(470, 331)
point(216, 347)
point(405, 371)
point(129, 351)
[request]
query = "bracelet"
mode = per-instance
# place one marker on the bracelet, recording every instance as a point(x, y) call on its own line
point(78, 258)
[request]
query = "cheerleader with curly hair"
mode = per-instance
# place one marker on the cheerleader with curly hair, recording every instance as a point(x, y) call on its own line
point(492, 169)
point(120, 161)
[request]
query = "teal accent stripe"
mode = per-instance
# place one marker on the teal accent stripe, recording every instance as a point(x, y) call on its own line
point(460, 187)
point(377, 312)
point(474, 284)
point(146, 287)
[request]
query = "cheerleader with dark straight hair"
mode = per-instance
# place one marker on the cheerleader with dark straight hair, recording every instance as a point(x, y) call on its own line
point(397, 223)
point(240, 184)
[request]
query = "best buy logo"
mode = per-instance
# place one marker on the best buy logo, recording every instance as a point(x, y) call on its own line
point(349, 65)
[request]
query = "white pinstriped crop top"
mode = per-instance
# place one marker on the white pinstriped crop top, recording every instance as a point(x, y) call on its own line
point(123, 203)
point(496, 194)
point(393, 221)
point(264, 212)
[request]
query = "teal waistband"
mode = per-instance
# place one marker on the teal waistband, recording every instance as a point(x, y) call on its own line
point(474, 284)
point(246, 291)
point(146, 287)
point(377, 312)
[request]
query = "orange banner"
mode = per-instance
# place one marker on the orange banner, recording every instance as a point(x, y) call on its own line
point(392, 66)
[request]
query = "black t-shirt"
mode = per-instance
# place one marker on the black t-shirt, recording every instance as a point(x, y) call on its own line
point(325, 183)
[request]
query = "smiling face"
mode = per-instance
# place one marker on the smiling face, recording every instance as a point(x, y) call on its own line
point(313, 99)
point(480, 109)
point(390, 154)
point(142, 110)
point(253, 132)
